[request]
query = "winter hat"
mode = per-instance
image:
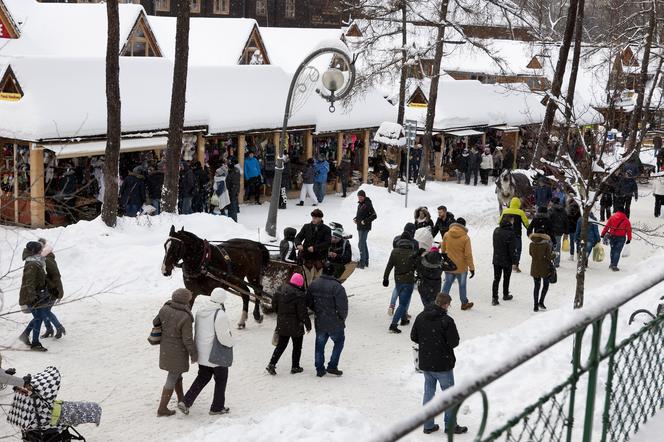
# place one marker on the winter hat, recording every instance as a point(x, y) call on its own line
point(317, 213)
point(218, 296)
point(289, 233)
point(542, 209)
point(181, 296)
point(361, 193)
point(297, 280)
point(34, 247)
point(138, 170)
point(406, 235)
point(410, 228)
point(433, 249)
point(338, 232)
point(461, 221)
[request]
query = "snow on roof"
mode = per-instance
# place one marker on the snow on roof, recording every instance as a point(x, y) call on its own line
point(212, 41)
point(391, 134)
point(289, 46)
point(493, 57)
point(475, 13)
point(64, 30)
point(66, 97)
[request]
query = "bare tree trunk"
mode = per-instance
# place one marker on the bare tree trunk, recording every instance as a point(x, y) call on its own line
point(641, 86)
point(169, 195)
point(556, 85)
point(433, 98)
point(571, 87)
point(109, 210)
point(404, 71)
point(582, 259)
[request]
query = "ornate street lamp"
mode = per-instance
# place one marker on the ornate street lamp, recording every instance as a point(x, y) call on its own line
point(304, 81)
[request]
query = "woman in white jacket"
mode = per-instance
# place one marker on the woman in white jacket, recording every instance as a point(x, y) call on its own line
point(208, 328)
point(486, 166)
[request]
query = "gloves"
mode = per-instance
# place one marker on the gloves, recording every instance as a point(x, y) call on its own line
point(472, 273)
point(386, 282)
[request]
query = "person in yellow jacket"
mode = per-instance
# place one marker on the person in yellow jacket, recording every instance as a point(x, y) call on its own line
point(456, 244)
point(519, 219)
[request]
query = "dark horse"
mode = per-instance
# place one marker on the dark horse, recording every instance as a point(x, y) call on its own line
point(236, 262)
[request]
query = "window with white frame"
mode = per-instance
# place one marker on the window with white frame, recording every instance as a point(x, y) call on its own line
point(162, 5)
point(222, 7)
point(261, 8)
point(290, 9)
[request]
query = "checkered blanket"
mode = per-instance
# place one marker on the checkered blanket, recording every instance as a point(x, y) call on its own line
point(34, 412)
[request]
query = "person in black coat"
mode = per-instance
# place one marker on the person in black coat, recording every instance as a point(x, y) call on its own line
point(410, 228)
point(473, 166)
point(287, 249)
point(340, 252)
point(625, 190)
point(328, 300)
point(541, 223)
point(504, 254)
point(508, 161)
point(558, 217)
point(233, 185)
point(443, 222)
point(313, 243)
point(290, 305)
point(429, 276)
point(436, 335)
point(155, 182)
point(133, 192)
point(364, 217)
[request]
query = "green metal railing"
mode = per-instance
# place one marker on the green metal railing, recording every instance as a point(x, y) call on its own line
point(581, 408)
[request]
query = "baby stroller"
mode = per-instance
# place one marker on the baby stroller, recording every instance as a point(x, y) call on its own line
point(42, 418)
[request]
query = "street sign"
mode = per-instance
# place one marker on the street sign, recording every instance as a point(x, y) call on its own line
point(410, 131)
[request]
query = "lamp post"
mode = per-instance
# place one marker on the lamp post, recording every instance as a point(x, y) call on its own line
point(303, 81)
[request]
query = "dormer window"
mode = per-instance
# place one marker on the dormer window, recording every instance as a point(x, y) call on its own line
point(254, 51)
point(10, 89)
point(141, 41)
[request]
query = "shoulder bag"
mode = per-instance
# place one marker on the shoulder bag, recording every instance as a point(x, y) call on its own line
point(220, 354)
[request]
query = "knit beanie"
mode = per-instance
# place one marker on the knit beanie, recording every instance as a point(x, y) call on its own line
point(34, 247)
point(297, 280)
point(181, 296)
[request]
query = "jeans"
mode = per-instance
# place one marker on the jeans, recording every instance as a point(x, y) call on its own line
point(499, 271)
point(338, 337)
point(281, 347)
point(132, 209)
point(319, 190)
point(404, 292)
point(362, 245)
point(446, 380)
point(572, 242)
point(50, 318)
point(462, 278)
point(617, 243)
point(556, 249)
point(156, 203)
point(38, 316)
point(186, 205)
point(518, 246)
point(205, 373)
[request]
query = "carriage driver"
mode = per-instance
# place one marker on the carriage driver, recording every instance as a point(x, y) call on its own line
point(313, 243)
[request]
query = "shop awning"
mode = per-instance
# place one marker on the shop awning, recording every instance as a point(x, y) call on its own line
point(463, 133)
point(505, 128)
point(93, 148)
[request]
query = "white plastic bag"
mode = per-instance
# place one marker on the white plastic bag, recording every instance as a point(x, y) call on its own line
point(416, 358)
point(626, 251)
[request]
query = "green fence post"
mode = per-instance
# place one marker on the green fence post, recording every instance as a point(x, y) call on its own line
point(611, 350)
point(593, 363)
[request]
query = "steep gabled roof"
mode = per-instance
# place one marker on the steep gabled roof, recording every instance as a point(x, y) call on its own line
point(8, 28)
point(10, 89)
point(143, 31)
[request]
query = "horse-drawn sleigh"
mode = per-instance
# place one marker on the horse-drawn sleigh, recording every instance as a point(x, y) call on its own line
point(240, 266)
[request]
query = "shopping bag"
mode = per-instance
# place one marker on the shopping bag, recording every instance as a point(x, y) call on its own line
point(598, 252)
point(626, 251)
point(565, 246)
point(416, 358)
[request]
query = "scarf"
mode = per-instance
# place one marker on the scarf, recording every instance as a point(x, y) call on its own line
point(38, 259)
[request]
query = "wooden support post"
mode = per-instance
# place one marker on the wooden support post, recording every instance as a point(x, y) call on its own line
point(16, 194)
point(308, 145)
point(241, 147)
point(340, 155)
point(365, 157)
point(483, 140)
point(200, 148)
point(37, 202)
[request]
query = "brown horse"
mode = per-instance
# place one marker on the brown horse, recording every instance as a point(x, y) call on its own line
point(236, 262)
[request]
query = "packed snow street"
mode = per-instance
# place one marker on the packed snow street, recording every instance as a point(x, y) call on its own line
point(331, 220)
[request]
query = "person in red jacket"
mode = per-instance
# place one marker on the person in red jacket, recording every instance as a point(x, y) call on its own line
point(619, 232)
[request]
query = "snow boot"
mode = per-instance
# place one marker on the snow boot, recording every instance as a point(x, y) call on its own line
point(394, 329)
point(61, 331)
point(405, 322)
point(224, 410)
point(541, 305)
point(37, 347)
point(183, 408)
point(163, 404)
point(507, 297)
point(433, 429)
point(296, 370)
point(458, 429)
point(467, 305)
point(48, 333)
point(335, 371)
point(494, 301)
point(271, 368)
point(24, 338)
point(301, 203)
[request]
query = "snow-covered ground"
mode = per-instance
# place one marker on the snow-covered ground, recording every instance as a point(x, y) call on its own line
point(105, 356)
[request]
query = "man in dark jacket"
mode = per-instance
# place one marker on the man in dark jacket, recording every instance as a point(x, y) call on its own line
point(436, 335)
point(504, 255)
point(363, 218)
point(340, 252)
point(508, 161)
point(187, 189)
point(313, 243)
point(290, 305)
point(543, 193)
point(558, 217)
point(473, 166)
point(133, 192)
point(429, 276)
point(541, 223)
point(625, 190)
point(403, 261)
point(233, 185)
point(445, 219)
point(328, 300)
point(155, 182)
point(344, 170)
